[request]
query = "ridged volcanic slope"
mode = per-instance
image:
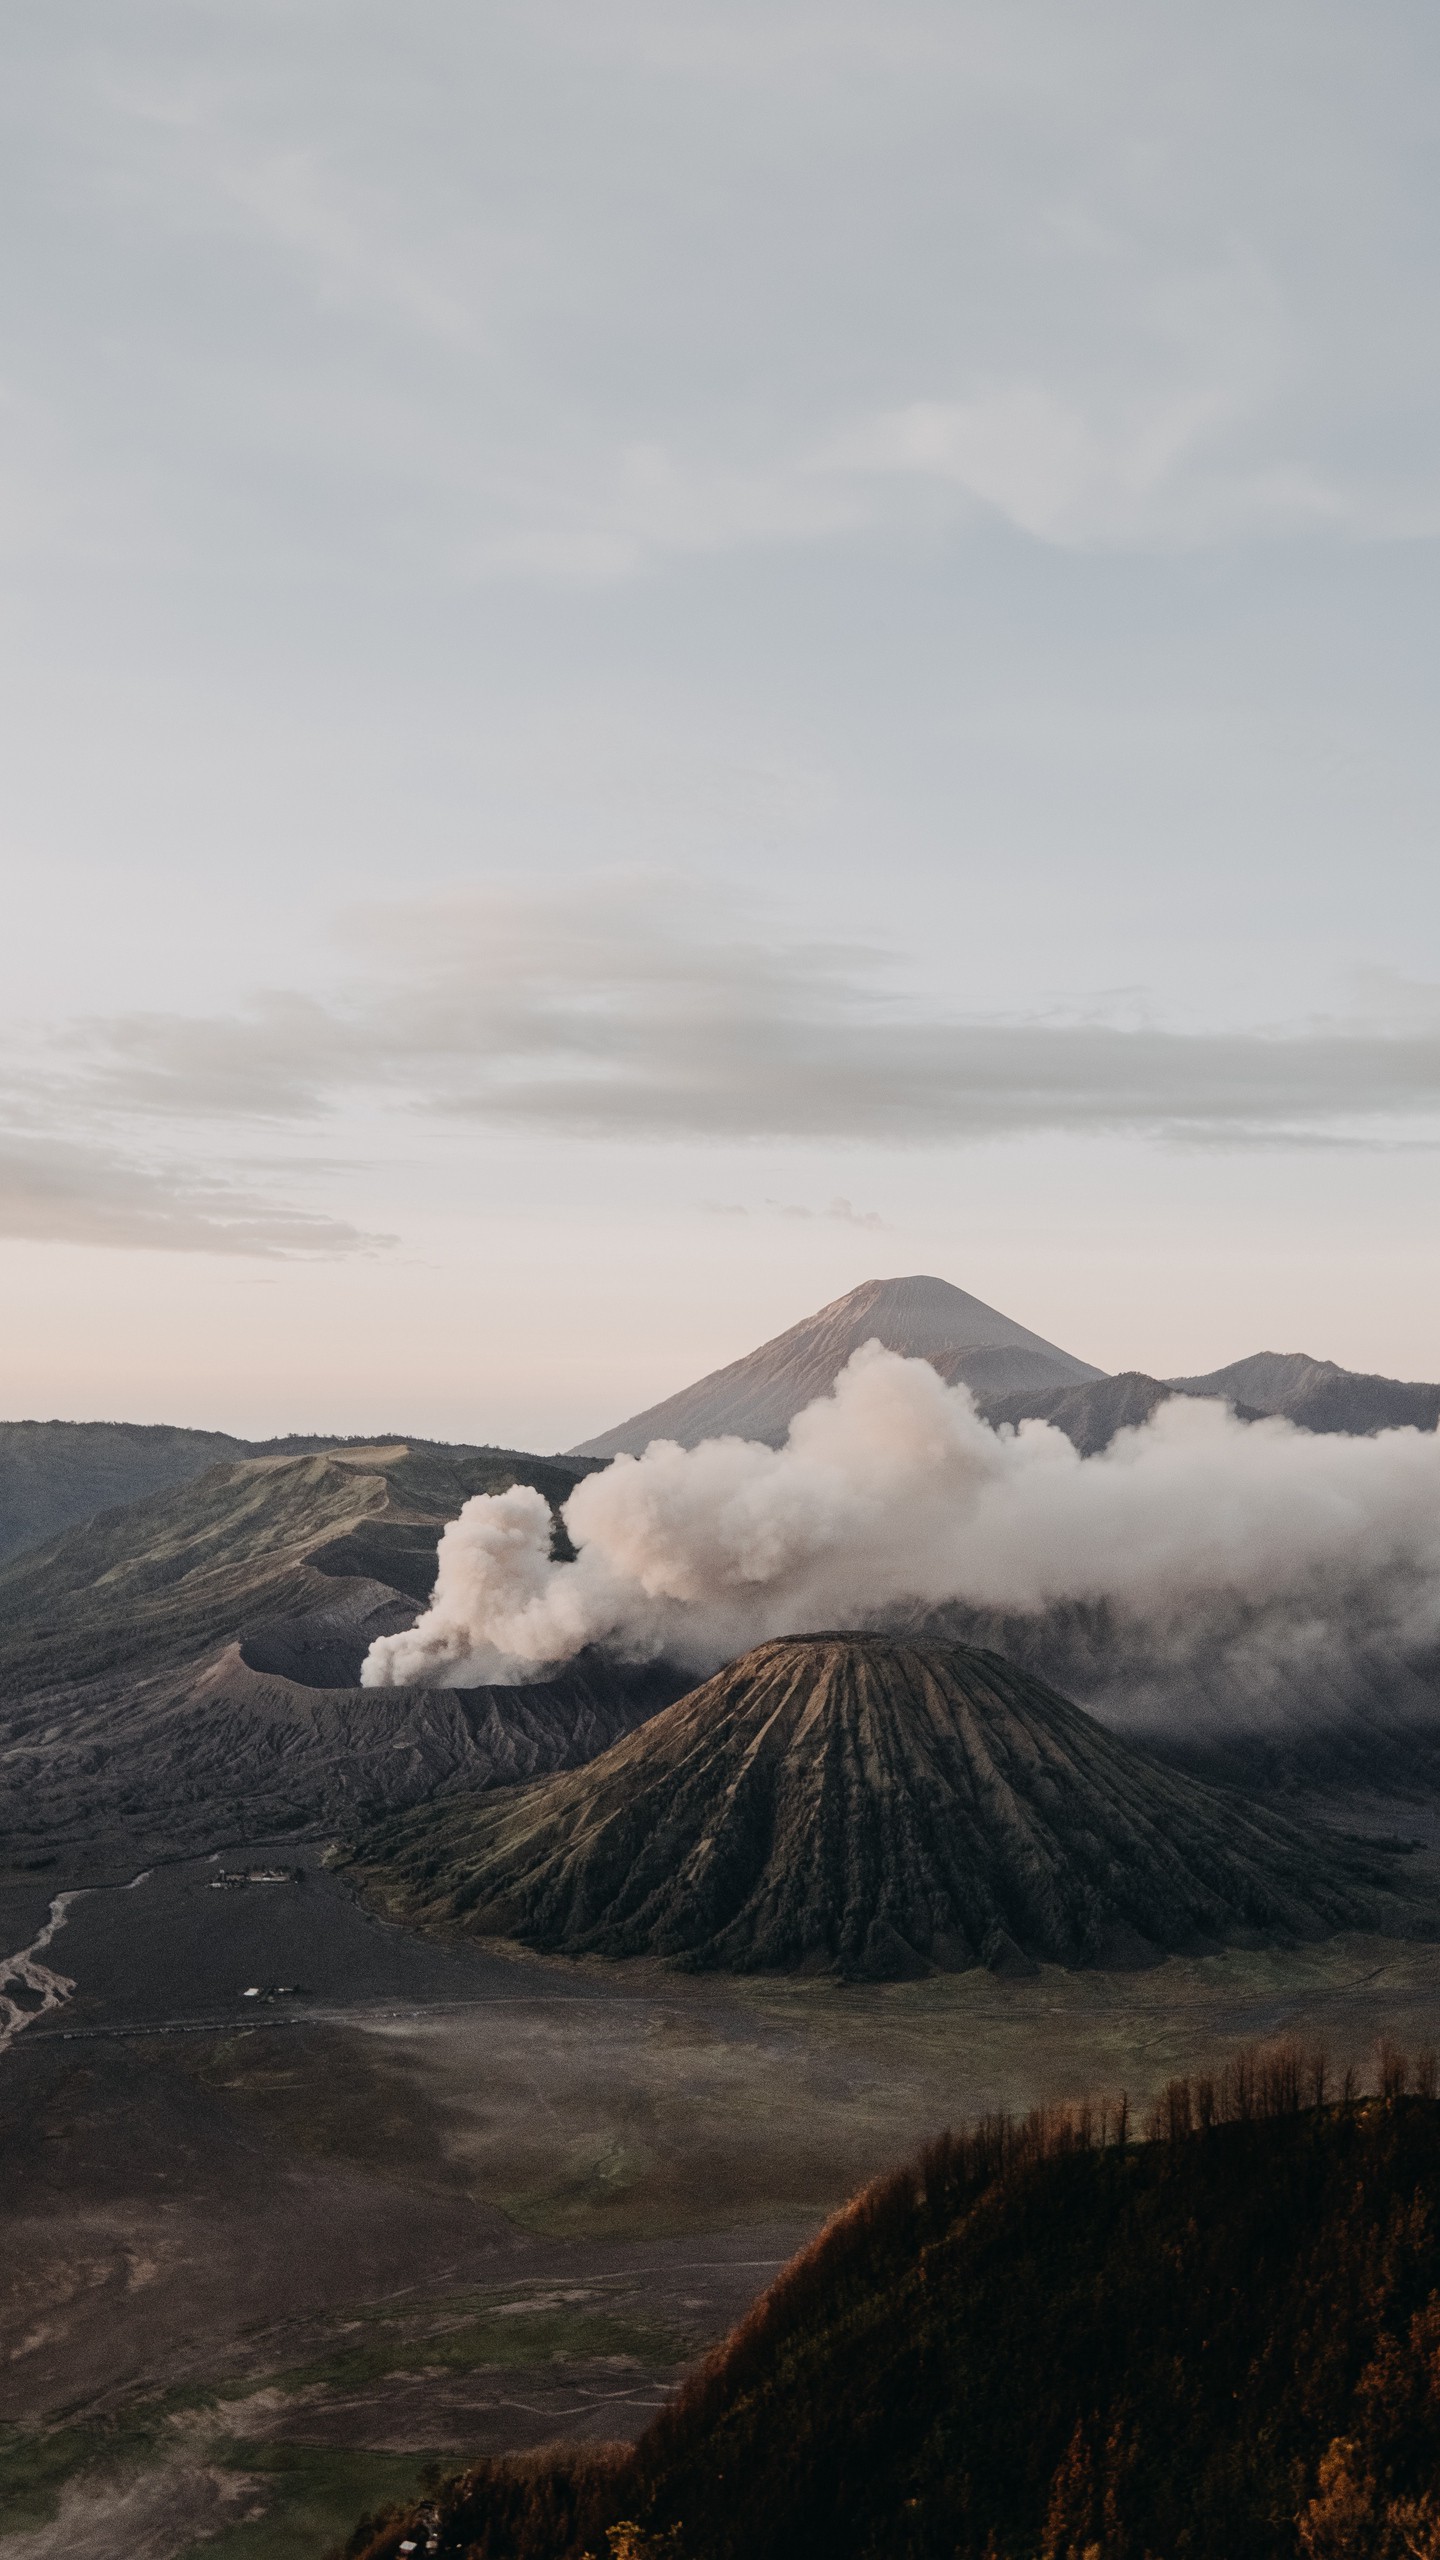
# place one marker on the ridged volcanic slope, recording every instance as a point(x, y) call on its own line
point(872, 1806)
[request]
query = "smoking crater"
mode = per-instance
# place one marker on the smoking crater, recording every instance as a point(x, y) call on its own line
point(891, 1493)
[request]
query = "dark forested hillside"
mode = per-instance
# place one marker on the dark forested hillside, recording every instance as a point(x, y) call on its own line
point(1053, 2342)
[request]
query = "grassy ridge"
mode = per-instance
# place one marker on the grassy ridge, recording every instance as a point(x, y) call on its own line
point(1053, 2343)
point(166, 1579)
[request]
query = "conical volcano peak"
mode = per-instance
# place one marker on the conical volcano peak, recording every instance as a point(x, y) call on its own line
point(922, 1317)
point(872, 1806)
point(920, 1314)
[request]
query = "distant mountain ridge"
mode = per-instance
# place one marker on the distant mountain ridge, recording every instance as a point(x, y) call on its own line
point(1319, 1394)
point(55, 1475)
point(758, 1397)
point(1316, 1395)
point(1014, 1375)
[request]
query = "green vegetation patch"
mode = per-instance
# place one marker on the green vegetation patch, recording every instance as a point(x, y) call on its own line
point(35, 2465)
point(38, 2463)
point(560, 2333)
point(313, 2495)
point(510, 2329)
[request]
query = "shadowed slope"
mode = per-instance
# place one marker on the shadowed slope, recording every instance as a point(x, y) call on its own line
point(53, 1475)
point(855, 1802)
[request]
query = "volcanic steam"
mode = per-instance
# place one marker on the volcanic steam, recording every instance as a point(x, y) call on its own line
point(892, 1494)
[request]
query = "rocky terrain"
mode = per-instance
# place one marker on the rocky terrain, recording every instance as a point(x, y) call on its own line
point(871, 1807)
point(185, 1672)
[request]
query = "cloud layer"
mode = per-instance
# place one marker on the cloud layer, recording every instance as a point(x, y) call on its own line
point(636, 1009)
point(53, 1190)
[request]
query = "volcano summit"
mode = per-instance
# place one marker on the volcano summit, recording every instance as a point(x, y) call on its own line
point(920, 1317)
point(857, 1804)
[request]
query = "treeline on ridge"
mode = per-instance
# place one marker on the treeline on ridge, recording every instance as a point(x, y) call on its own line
point(1049, 2340)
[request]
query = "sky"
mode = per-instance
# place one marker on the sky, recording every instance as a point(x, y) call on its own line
point(659, 658)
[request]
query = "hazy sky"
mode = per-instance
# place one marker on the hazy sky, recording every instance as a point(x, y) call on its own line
point(659, 657)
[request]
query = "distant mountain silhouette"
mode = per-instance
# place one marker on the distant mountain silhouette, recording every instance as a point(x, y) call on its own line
point(759, 1396)
point(1318, 1394)
point(53, 1475)
point(1090, 1414)
point(1314, 1394)
point(873, 1807)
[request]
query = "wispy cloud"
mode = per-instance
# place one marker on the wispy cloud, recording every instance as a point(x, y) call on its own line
point(54, 1190)
point(840, 1212)
point(633, 1010)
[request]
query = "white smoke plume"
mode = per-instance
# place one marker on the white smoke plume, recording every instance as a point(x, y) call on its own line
point(891, 1493)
